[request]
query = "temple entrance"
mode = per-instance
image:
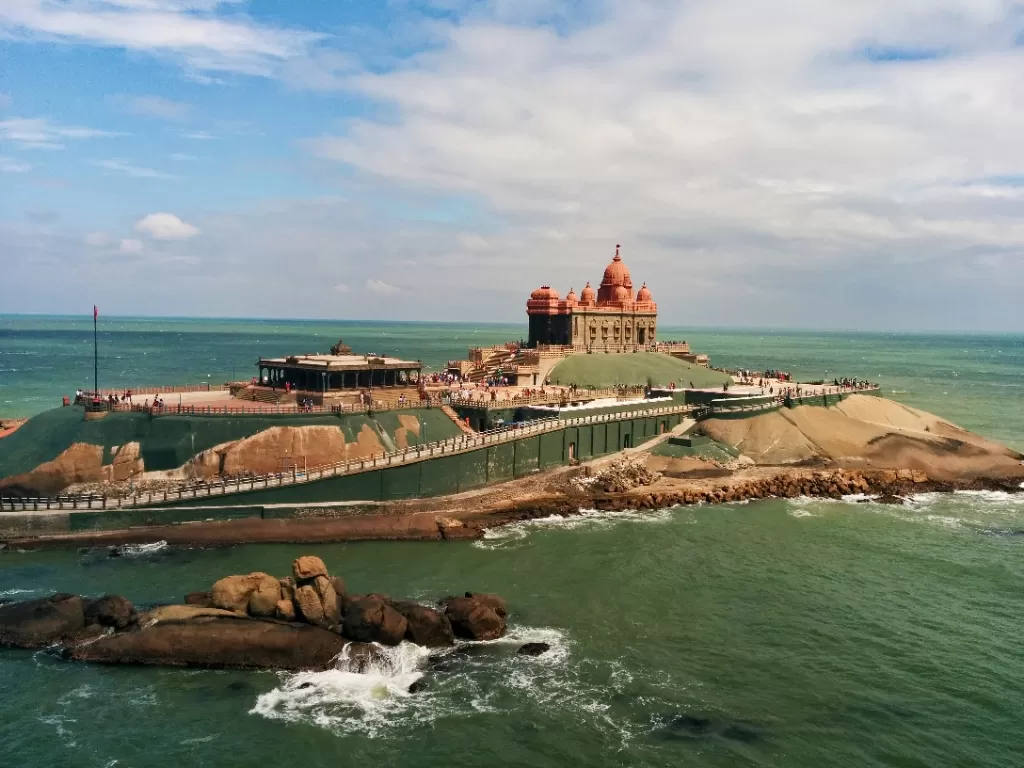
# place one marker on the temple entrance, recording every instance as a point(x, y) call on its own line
point(641, 335)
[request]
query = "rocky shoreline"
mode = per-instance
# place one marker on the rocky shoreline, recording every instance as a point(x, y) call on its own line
point(253, 621)
point(467, 519)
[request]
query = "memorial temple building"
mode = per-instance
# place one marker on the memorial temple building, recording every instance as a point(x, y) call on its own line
point(611, 319)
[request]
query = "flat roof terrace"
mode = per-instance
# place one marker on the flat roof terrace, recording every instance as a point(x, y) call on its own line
point(336, 372)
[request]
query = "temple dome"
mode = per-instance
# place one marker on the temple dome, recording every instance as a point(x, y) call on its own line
point(571, 296)
point(545, 293)
point(644, 294)
point(622, 293)
point(588, 296)
point(617, 273)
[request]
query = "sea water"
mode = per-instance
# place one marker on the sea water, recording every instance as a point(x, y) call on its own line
point(795, 632)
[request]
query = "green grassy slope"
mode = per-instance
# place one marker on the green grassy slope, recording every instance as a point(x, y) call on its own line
point(167, 441)
point(600, 370)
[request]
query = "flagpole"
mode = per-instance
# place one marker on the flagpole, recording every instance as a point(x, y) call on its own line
point(95, 353)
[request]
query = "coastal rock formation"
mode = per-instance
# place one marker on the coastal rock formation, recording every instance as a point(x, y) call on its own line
point(864, 431)
point(425, 626)
point(219, 642)
point(39, 623)
point(623, 474)
point(252, 621)
point(256, 594)
point(110, 611)
point(373, 620)
point(475, 617)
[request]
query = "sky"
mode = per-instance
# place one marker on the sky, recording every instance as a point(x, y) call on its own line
point(794, 163)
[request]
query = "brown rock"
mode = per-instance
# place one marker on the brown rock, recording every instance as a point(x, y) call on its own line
point(181, 613)
point(39, 623)
point(199, 598)
point(110, 611)
point(286, 610)
point(373, 621)
point(219, 643)
point(328, 599)
point(339, 587)
point(232, 593)
point(308, 567)
point(307, 601)
point(492, 601)
point(473, 620)
point(426, 626)
point(263, 600)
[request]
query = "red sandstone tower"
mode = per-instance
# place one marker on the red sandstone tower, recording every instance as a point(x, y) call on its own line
point(613, 320)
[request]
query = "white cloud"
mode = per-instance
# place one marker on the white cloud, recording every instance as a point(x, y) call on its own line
point(199, 135)
point(180, 156)
point(191, 32)
point(156, 106)
point(342, 288)
point(40, 133)
point(131, 246)
point(131, 170)
point(723, 131)
point(10, 165)
point(382, 288)
point(98, 239)
point(165, 226)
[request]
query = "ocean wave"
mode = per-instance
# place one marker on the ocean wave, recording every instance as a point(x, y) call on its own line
point(467, 679)
point(503, 536)
point(347, 701)
point(140, 550)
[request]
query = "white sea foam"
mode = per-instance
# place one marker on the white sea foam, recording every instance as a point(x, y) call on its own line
point(501, 537)
point(802, 513)
point(139, 550)
point(341, 699)
point(16, 591)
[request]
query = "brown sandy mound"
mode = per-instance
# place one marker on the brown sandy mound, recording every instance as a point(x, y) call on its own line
point(865, 431)
point(80, 463)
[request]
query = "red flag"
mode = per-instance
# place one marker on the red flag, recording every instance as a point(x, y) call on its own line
point(95, 312)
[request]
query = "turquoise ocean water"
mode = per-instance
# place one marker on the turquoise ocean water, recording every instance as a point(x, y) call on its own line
point(776, 633)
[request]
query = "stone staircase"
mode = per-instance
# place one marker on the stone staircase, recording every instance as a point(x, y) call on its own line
point(451, 414)
point(495, 358)
point(262, 395)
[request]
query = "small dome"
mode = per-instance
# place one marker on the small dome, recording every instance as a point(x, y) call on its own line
point(571, 295)
point(588, 296)
point(622, 293)
point(545, 293)
point(617, 273)
point(644, 294)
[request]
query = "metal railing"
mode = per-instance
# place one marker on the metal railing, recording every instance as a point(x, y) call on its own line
point(452, 446)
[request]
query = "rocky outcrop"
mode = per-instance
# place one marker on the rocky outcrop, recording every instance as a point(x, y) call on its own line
point(425, 626)
point(256, 594)
point(110, 611)
point(252, 621)
point(218, 642)
point(373, 620)
point(39, 623)
point(623, 474)
point(474, 619)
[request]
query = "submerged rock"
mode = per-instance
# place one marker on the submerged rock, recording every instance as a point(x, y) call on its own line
point(218, 642)
point(533, 649)
point(39, 623)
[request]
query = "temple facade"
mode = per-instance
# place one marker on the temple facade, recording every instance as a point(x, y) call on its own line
point(611, 319)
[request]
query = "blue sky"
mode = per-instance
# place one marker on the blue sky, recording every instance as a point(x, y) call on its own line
point(816, 164)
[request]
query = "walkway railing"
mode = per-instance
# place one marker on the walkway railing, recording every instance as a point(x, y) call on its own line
point(452, 446)
point(553, 398)
point(779, 400)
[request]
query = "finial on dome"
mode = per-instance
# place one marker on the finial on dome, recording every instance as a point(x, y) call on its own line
point(617, 257)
